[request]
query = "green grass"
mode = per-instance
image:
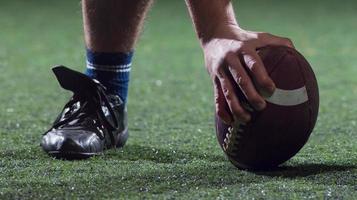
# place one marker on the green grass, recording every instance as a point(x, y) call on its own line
point(172, 151)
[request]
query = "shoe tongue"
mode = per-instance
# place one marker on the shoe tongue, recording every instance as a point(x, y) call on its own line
point(74, 81)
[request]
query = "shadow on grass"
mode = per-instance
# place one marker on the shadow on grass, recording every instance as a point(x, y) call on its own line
point(304, 170)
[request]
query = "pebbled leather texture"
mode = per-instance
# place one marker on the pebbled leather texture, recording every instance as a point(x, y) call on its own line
point(91, 122)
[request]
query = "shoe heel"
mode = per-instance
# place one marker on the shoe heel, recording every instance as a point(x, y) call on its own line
point(123, 137)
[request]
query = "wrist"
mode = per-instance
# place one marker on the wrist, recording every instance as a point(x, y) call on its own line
point(223, 31)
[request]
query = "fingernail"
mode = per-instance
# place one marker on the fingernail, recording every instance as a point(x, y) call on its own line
point(272, 89)
point(246, 118)
point(242, 119)
point(268, 92)
point(261, 105)
point(226, 121)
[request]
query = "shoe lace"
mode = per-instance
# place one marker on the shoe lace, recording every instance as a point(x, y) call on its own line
point(90, 102)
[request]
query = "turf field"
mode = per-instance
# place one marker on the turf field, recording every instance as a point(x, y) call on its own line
point(172, 151)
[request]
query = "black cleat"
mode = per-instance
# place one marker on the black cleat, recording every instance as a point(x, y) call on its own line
point(91, 122)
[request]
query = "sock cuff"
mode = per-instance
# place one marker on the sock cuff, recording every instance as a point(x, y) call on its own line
point(111, 62)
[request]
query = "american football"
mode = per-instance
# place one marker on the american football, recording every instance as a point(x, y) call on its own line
point(116, 99)
point(277, 133)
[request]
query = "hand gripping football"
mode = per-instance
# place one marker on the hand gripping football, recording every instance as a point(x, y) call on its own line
point(277, 133)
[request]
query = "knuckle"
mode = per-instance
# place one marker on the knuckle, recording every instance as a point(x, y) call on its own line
point(228, 94)
point(250, 62)
point(243, 82)
point(236, 76)
point(264, 35)
point(229, 54)
point(245, 48)
point(219, 100)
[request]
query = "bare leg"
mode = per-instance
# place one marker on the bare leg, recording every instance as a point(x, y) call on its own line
point(113, 25)
point(111, 29)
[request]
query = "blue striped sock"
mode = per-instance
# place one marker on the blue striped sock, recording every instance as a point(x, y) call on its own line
point(112, 70)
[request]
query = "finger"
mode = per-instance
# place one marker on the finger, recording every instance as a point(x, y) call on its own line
point(269, 39)
point(241, 77)
point(222, 109)
point(260, 76)
point(231, 98)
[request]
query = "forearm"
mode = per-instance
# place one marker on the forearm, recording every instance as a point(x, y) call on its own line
point(208, 15)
